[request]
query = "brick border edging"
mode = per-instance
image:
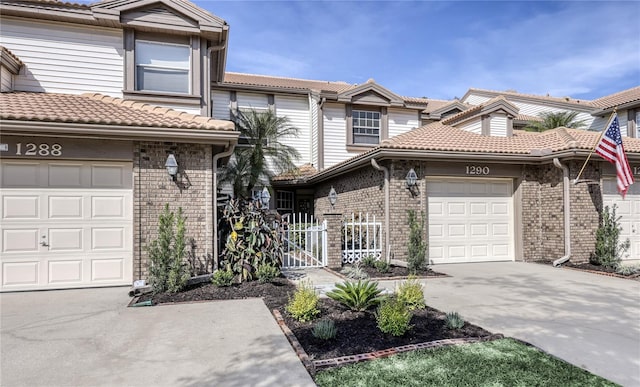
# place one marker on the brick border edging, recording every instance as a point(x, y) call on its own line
point(604, 273)
point(338, 274)
point(313, 365)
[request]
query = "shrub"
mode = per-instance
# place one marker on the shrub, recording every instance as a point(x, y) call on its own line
point(324, 330)
point(357, 296)
point(222, 278)
point(354, 272)
point(417, 248)
point(168, 271)
point(382, 266)
point(369, 261)
point(454, 321)
point(393, 317)
point(267, 273)
point(304, 304)
point(410, 293)
point(609, 250)
point(628, 269)
point(251, 242)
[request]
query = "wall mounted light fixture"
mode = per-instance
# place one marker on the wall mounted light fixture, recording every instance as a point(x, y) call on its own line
point(333, 197)
point(412, 178)
point(172, 166)
point(265, 197)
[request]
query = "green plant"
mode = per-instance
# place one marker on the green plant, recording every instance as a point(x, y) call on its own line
point(267, 273)
point(393, 317)
point(222, 278)
point(168, 271)
point(354, 272)
point(304, 304)
point(552, 120)
point(417, 248)
point(410, 293)
point(358, 296)
point(609, 249)
point(369, 261)
point(251, 243)
point(382, 266)
point(324, 330)
point(454, 321)
point(628, 269)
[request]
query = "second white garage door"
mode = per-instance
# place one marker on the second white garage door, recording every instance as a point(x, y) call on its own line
point(470, 220)
point(629, 211)
point(65, 224)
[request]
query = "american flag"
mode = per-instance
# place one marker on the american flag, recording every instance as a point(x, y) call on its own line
point(610, 147)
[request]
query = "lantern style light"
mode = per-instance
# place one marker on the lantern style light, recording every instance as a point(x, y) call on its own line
point(412, 178)
point(265, 197)
point(172, 166)
point(333, 197)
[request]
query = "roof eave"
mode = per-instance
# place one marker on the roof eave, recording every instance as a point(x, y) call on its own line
point(609, 110)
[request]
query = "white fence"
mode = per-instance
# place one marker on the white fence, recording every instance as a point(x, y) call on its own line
point(304, 240)
point(361, 237)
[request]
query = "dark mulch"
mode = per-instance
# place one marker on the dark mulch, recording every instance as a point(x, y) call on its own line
point(399, 271)
point(357, 331)
point(587, 266)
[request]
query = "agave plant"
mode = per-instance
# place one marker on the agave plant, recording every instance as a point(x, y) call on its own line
point(358, 296)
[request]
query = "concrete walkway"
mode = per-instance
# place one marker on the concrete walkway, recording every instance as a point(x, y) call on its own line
point(88, 337)
point(589, 320)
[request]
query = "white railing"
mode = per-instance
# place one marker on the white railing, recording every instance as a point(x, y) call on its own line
point(304, 241)
point(361, 237)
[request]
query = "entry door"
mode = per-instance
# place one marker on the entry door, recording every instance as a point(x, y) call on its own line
point(470, 220)
point(65, 224)
point(629, 211)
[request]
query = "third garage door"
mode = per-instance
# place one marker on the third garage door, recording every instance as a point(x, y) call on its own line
point(470, 220)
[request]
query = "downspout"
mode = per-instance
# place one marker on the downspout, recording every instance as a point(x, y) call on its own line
point(387, 238)
point(567, 213)
point(227, 152)
point(207, 84)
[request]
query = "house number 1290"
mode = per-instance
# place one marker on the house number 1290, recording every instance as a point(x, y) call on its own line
point(477, 170)
point(44, 149)
point(636, 170)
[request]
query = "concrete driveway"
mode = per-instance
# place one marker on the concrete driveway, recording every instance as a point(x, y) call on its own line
point(589, 320)
point(88, 337)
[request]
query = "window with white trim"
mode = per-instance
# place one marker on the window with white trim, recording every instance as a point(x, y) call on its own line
point(366, 127)
point(162, 67)
point(284, 202)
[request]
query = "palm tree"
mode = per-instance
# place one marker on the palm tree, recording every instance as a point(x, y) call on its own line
point(552, 120)
point(261, 154)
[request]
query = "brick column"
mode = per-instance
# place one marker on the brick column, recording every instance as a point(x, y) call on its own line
point(334, 240)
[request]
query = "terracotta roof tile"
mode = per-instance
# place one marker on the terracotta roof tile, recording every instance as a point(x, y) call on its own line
point(570, 100)
point(284, 83)
point(6, 51)
point(301, 172)
point(99, 109)
point(619, 98)
point(67, 4)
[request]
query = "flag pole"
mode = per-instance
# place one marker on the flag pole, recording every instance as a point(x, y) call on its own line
point(615, 111)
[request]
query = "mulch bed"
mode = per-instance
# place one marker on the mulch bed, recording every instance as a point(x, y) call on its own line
point(595, 269)
point(397, 272)
point(357, 331)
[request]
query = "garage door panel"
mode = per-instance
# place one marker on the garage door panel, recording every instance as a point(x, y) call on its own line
point(65, 239)
point(108, 207)
point(107, 269)
point(108, 176)
point(21, 207)
point(500, 250)
point(436, 230)
point(500, 230)
point(478, 188)
point(457, 230)
point(108, 238)
point(65, 175)
point(477, 208)
point(456, 252)
point(436, 208)
point(19, 240)
point(66, 207)
point(456, 208)
point(20, 273)
point(479, 251)
point(500, 208)
point(67, 271)
point(479, 230)
point(501, 189)
point(20, 175)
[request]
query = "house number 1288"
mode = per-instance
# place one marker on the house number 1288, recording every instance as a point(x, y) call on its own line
point(477, 170)
point(44, 149)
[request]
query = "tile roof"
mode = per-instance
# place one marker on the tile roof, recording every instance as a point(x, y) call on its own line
point(440, 137)
point(301, 172)
point(67, 4)
point(100, 110)
point(543, 98)
point(5, 51)
point(619, 98)
point(284, 83)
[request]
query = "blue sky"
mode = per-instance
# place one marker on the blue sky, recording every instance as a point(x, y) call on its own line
point(583, 49)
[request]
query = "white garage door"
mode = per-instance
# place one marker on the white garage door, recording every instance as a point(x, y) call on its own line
point(470, 220)
point(65, 224)
point(629, 210)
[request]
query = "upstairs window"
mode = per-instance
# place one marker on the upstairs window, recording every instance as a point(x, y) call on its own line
point(366, 127)
point(162, 67)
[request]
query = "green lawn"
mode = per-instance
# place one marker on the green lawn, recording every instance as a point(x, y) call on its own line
point(502, 362)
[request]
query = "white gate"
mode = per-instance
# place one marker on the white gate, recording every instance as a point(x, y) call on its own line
point(304, 241)
point(361, 237)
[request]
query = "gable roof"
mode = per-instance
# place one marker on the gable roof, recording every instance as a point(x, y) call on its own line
point(10, 60)
point(497, 103)
point(284, 83)
point(621, 99)
point(374, 91)
point(32, 112)
point(563, 101)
